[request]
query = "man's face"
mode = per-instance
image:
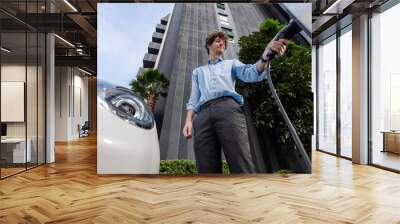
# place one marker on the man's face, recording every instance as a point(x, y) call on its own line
point(218, 46)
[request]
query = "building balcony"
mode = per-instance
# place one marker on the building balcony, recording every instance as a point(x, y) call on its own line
point(157, 37)
point(149, 60)
point(154, 48)
point(165, 19)
point(160, 28)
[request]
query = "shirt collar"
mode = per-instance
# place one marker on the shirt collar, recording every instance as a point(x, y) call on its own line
point(218, 60)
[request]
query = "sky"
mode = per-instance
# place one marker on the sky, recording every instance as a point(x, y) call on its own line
point(123, 34)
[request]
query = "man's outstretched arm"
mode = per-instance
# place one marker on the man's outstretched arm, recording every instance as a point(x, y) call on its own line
point(255, 72)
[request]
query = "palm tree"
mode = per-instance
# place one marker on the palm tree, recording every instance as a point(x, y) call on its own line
point(149, 85)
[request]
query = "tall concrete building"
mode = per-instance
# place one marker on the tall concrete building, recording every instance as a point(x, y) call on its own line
point(181, 49)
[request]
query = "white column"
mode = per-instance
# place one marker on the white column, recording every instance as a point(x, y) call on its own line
point(360, 90)
point(314, 90)
point(50, 99)
point(50, 92)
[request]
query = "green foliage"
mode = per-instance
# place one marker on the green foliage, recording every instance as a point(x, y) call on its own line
point(178, 167)
point(184, 167)
point(291, 75)
point(151, 82)
point(225, 167)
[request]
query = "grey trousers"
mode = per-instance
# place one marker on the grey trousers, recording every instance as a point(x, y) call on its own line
point(221, 123)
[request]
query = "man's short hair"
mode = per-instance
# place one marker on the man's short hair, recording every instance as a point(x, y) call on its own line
point(210, 39)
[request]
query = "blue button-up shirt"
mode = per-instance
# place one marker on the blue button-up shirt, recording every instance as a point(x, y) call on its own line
point(218, 79)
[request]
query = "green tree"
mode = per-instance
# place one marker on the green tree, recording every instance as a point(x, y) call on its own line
point(150, 85)
point(291, 75)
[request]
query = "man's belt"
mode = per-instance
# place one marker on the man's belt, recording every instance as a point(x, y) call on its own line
point(214, 101)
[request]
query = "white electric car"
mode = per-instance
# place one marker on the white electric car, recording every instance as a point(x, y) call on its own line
point(127, 141)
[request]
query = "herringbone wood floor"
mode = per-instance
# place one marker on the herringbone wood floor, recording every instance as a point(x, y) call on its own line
point(70, 191)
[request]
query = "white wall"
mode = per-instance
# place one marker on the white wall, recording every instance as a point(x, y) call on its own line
point(71, 102)
point(17, 73)
point(62, 81)
point(12, 101)
point(33, 106)
point(80, 110)
point(14, 73)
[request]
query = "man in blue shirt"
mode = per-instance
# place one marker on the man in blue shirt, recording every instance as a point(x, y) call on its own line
point(219, 120)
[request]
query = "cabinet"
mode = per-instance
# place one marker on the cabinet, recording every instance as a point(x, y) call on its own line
point(391, 141)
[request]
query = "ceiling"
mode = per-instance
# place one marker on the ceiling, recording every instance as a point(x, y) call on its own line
point(74, 22)
point(328, 13)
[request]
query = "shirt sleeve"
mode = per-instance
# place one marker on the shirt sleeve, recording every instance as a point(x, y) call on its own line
point(193, 103)
point(247, 72)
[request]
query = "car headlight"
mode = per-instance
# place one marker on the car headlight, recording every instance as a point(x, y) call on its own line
point(125, 104)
